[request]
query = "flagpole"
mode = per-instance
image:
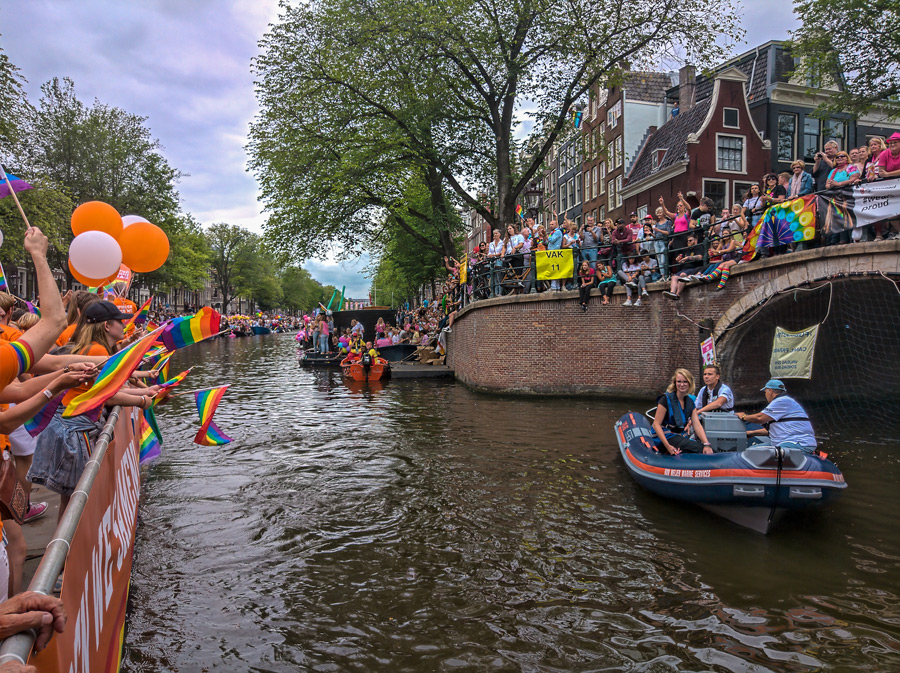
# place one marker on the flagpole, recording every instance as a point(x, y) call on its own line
point(199, 390)
point(15, 198)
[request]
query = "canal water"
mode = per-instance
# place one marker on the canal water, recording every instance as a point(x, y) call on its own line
point(419, 526)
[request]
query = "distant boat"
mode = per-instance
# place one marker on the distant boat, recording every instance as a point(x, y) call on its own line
point(258, 329)
point(366, 368)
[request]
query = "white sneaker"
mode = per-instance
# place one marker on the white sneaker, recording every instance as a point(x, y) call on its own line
point(637, 303)
point(645, 293)
point(628, 302)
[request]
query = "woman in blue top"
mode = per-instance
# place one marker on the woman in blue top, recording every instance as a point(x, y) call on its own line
point(676, 416)
point(837, 226)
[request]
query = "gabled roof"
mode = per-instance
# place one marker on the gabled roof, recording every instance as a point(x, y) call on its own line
point(672, 137)
point(649, 87)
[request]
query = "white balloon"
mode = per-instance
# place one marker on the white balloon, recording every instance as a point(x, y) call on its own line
point(95, 254)
point(131, 219)
point(1, 238)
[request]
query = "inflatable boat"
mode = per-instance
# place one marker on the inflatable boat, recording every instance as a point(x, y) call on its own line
point(365, 368)
point(753, 486)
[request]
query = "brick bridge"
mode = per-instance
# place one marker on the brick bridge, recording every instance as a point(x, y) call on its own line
point(543, 344)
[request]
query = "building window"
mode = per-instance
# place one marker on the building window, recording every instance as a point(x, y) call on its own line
point(611, 188)
point(593, 106)
point(602, 175)
point(730, 153)
point(571, 190)
point(786, 143)
point(595, 172)
point(563, 201)
point(730, 118)
point(587, 185)
point(836, 130)
point(717, 190)
point(577, 180)
point(741, 191)
point(618, 191)
point(811, 128)
point(611, 119)
point(641, 212)
point(602, 211)
point(620, 152)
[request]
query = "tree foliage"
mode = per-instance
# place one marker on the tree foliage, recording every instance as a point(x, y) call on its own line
point(436, 88)
point(855, 44)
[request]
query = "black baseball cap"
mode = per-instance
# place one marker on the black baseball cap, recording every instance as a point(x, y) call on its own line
point(101, 311)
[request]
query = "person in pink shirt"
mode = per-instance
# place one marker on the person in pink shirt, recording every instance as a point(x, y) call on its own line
point(889, 159)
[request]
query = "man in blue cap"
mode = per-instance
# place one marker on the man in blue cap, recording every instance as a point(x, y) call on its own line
point(786, 420)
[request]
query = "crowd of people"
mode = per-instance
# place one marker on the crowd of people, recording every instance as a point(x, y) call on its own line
point(684, 246)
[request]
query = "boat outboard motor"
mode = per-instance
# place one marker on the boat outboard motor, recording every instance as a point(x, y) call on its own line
point(367, 360)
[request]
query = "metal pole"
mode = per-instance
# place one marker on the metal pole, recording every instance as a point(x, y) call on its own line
point(18, 647)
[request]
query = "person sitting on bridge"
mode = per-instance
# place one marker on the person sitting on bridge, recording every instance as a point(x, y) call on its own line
point(787, 422)
point(676, 412)
point(690, 259)
point(714, 395)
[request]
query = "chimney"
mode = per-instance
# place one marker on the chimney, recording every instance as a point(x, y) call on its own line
point(687, 85)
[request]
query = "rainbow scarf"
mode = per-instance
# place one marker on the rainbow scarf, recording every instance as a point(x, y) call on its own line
point(150, 446)
point(41, 420)
point(4, 286)
point(209, 433)
point(189, 330)
point(112, 376)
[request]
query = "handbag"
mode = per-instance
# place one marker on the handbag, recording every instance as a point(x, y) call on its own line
point(13, 501)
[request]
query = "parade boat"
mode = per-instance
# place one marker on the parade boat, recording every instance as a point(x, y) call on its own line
point(365, 368)
point(259, 329)
point(754, 486)
point(309, 358)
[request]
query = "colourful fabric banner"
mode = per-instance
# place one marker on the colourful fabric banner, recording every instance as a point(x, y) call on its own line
point(860, 205)
point(789, 222)
point(554, 264)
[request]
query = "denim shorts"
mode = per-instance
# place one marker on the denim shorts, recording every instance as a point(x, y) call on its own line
point(63, 449)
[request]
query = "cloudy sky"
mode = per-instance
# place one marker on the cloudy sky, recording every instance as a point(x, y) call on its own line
point(185, 65)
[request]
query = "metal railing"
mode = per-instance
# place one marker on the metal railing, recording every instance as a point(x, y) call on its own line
point(18, 647)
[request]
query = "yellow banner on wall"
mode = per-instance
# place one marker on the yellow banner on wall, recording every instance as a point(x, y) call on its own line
point(792, 353)
point(554, 264)
point(463, 270)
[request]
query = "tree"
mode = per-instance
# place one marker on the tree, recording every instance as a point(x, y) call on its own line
point(255, 273)
point(14, 106)
point(853, 44)
point(98, 153)
point(226, 243)
point(436, 87)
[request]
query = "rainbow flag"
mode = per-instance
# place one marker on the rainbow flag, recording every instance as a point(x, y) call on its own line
point(149, 441)
point(17, 184)
point(139, 318)
point(41, 420)
point(209, 433)
point(112, 376)
point(4, 286)
point(189, 330)
point(31, 308)
point(519, 211)
point(171, 383)
point(152, 326)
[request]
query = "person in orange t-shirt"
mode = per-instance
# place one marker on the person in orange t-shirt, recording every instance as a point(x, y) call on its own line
point(77, 303)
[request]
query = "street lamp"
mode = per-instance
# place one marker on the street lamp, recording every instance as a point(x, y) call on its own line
point(533, 197)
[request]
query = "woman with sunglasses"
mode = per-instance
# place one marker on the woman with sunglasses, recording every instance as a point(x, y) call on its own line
point(842, 175)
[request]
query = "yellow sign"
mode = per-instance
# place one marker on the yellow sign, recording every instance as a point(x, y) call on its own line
point(792, 353)
point(554, 264)
point(463, 269)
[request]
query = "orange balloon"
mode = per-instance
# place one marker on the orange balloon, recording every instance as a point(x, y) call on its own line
point(84, 280)
point(145, 247)
point(96, 216)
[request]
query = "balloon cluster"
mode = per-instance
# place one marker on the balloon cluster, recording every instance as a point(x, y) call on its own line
point(104, 240)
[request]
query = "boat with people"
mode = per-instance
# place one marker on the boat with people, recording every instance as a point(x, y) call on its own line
point(259, 330)
point(754, 486)
point(365, 367)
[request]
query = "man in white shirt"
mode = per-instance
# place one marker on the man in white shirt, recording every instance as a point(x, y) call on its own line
point(715, 395)
point(788, 422)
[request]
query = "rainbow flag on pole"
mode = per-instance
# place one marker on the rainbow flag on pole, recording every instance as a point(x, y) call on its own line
point(167, 385)
point(4, 286)
point(188, 330)
point(150, 447)
point(112, 376)
point(139, 318)
point(41, 420)
point(209, 433)
point(17, 184)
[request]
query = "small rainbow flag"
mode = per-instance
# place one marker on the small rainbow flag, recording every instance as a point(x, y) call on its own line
point(4, 286)
point(209, 433)
point(41, 420)
point(112, 376)
point(31, 308)
point(519, 211)
point(189, 330)
point(149, 441)
point(167, 385)
point(139, 318)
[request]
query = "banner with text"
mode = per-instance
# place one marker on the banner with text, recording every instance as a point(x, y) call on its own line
point(792, 353)
point(464, 270)
point(708, 351)
point(860, 205)
point(98, 567)
point(554, 264)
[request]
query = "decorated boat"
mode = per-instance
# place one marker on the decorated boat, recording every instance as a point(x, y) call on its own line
point(259, 329)
point(754, 486)
point(365, 368)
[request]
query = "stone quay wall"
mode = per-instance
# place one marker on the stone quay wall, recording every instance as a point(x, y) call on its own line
point(544, 344)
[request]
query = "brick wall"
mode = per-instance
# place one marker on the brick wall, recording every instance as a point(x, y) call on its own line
point(545, 344)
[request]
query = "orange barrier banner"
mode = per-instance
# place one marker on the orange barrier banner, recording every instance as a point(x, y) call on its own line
point(98, 567)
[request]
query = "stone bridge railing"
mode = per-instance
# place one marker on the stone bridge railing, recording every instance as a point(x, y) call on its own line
point(544, 343)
